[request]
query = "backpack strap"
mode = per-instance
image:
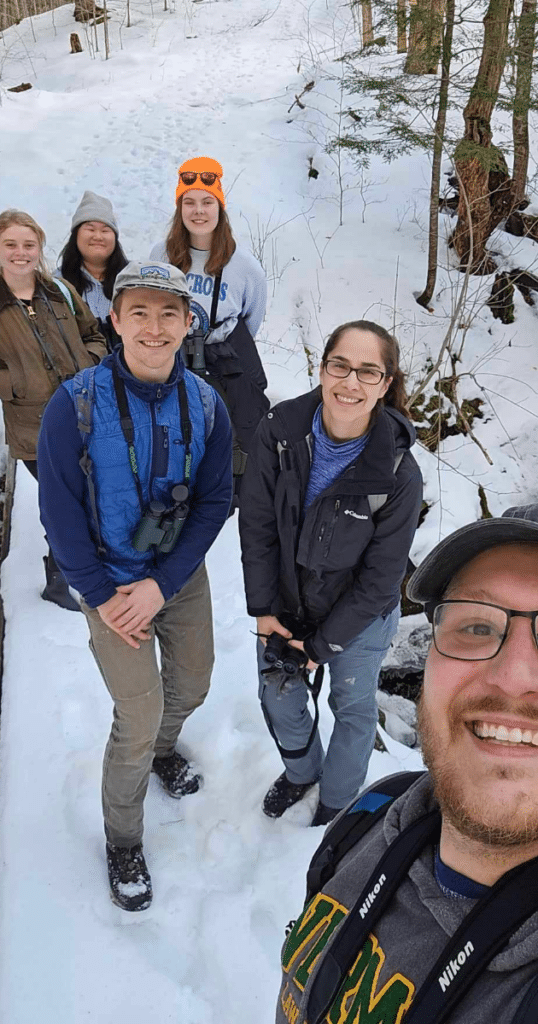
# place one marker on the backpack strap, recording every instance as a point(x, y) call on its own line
point(207, 396)
point(84, 398)
point(66, 294)
point(376, 501)
point(527, 1013)
point(350, 827)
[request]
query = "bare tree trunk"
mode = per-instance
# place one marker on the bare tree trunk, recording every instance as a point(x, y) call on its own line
point(433, 239)
point(105, 28)
point(481, 168)
point(425, 33)
point(520, 118)
point(367, 29)
point(401, 23)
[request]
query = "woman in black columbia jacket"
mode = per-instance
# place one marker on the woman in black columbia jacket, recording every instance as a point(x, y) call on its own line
point(330, 504)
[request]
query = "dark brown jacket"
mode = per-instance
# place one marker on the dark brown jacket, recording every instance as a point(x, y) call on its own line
point(30, 372)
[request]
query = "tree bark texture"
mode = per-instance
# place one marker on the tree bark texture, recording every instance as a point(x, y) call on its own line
point(433, 239)
point(367, 26)
point(526, 35)
point(481, 167)
point(401, 25)
point(425, 34)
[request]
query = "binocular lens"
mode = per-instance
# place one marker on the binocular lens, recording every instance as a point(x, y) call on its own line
point(270, 657)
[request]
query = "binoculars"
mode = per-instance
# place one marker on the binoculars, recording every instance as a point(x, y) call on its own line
point(160, 526)
point(194, 349)
point(284, 661)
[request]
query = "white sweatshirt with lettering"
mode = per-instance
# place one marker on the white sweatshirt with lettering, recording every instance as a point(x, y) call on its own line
point(243, 291)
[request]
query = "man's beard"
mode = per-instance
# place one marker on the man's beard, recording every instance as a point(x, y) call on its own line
point(506, 823)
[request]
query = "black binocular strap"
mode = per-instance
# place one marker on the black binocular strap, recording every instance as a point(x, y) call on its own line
point(215, 301)
point(127, 428)
point(484, 931)
point(49, 358)
point(62, 332)
point(314, 690)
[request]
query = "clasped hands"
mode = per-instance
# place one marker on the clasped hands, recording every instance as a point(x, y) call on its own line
point(130, 611)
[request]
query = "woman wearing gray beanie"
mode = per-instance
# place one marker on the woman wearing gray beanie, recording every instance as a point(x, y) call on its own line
point(93, 257)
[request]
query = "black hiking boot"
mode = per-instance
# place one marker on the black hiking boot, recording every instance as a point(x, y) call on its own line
point(324, 814)
point(177, 776)
point(284, 794)
point(57, 589)
point(130, 882)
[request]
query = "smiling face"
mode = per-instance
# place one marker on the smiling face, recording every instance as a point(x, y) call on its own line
point(200, 215)
point(347, 402)
point(95, 242)
point(479, 719)
point(20, 252)
point(152, 325)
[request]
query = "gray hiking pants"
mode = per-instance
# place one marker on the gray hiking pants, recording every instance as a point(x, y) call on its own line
point(353, 684)
point(150, 706)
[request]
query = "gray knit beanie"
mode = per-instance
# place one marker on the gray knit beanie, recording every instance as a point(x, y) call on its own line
point(94, 207)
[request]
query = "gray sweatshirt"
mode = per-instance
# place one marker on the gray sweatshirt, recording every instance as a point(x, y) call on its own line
point(243, 291)
point(405, 943)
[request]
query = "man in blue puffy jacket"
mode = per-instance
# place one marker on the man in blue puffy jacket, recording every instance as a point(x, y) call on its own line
point(135, 477)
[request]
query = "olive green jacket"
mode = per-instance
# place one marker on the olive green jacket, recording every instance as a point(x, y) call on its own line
point(32, 369)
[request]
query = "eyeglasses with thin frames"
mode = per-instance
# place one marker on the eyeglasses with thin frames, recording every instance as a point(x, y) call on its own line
point(365, 374)
point(474, 630)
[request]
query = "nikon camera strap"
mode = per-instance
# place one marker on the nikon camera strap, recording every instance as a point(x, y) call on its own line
point(482, 934)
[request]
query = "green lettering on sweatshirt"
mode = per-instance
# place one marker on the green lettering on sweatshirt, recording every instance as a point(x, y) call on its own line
point(359, 1002)
point(319, 919)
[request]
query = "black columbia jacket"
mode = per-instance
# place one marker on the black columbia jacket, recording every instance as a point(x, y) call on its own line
point(341, 567)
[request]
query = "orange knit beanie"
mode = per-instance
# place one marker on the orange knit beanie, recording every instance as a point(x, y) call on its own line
point(193, 169)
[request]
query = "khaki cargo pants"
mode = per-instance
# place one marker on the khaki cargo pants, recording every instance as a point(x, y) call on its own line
point(150, 706)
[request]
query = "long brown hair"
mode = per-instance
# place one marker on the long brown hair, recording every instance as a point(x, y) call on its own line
point(23, 220)
point(222, 243)
point(390, 351)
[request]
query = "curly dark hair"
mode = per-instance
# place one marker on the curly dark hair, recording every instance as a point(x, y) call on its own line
point(71, 265)
point(390, 350)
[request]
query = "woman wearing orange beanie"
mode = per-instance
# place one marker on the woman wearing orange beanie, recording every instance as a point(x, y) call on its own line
point(229, 292)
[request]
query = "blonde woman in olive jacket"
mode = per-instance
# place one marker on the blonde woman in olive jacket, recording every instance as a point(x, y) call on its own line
point(47, 334)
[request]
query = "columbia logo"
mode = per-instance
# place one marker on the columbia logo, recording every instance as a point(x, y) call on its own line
point(453, 966)
point(373, 894)
point(349, 512)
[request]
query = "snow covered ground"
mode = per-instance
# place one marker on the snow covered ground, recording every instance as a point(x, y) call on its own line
point(216, 78)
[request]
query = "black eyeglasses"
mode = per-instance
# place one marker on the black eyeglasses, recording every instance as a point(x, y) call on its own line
point(366, 374)
point(206, 177)
point(474, 630)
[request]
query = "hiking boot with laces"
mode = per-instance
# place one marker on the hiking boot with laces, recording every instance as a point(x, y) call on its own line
point(130, 881)
point(284, 794)
point(177, 775)
point(324, 814)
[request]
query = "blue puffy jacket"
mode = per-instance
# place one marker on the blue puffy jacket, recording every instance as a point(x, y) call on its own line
point(160, 451)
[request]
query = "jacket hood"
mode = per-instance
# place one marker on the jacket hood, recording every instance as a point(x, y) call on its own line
point(148, 391)
point(449, 914)
point(296, 415)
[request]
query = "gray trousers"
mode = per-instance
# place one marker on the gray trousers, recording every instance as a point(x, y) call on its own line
point(353, 676)
point(150, 706)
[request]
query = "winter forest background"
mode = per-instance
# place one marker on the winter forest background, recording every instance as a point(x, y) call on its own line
point(379, 160)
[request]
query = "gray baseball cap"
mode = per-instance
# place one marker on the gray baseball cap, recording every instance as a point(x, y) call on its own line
point(429, 582)
point(161, 276)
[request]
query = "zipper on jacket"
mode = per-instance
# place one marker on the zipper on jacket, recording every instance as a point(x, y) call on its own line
point(322, 531)
point(331, 530)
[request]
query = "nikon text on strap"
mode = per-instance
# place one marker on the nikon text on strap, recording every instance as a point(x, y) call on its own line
point(482, 934)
